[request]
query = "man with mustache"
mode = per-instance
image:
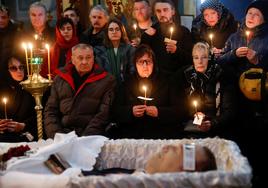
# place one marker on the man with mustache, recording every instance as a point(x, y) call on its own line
point(94, 34)
point(172, 48)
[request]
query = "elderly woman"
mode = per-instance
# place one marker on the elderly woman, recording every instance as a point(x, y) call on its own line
point(117, 53)
point(61, 52)
point(205, 83)
point(143, 106)
point(214, 19)
point(18, 120)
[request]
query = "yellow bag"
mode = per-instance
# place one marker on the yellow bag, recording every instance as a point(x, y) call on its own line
point(253, 83)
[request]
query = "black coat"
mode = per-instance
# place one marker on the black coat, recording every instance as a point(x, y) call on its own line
point(202, 87)
point(166, 125)
point(20, 108)
point(169, 63)
point(88, 37)
point(221, 31)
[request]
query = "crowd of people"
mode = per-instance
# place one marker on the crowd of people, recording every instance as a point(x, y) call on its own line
point(158, 81)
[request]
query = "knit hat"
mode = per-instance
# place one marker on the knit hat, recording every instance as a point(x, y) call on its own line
point(261, 5)
point(212, 4)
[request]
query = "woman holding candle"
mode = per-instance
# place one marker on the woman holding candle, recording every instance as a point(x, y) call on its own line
point(214, 25)
point(209, 95)
point(116, 55)
point(19, 123)
point(244, 52)
point(60, 53)
point(154, 119)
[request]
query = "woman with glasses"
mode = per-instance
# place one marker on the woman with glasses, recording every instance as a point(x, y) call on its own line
point(116, 54)
point(209, 95)
point(17, 115)
point(143, 106)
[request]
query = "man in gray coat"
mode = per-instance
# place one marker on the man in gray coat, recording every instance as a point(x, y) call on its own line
point(81, 96)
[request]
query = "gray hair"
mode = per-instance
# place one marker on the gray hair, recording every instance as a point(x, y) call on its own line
point(38, 4)
point(100, 8)
point(81, 46)
point(201, 46)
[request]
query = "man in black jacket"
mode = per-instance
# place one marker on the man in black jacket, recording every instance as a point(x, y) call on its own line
point(171, 42)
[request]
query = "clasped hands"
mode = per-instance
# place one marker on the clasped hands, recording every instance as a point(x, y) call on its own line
point(11, 126)
point(141, 110)
point(250, 54)
point(205, 124)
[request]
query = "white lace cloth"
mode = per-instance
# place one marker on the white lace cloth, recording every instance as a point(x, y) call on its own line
point(233, 168)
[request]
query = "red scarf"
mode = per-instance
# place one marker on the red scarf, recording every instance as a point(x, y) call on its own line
point(60, 43)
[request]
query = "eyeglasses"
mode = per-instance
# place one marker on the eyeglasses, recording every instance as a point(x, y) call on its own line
point(114, 29)
point(14, 68)
point(145, 62)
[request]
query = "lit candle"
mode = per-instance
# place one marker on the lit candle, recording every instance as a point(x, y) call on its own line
point(35, 36)
point(247, 35)
point(145, 90)
point(195, 105)
point(171, 32)
point(30, 46)
point(26, 57)
point(135, 29)
point(211, 40)
point(5, 104)
point(48, 61)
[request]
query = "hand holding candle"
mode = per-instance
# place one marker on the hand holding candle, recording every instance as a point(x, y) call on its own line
point(5, 106)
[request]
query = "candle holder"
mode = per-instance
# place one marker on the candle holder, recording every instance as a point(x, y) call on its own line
point(36, 85)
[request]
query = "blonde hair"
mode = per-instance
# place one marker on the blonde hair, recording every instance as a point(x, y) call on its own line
point(201, 46)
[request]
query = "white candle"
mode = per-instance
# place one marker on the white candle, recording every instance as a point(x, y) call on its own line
point(48, 61)
point(211, 39)
point(247, 34)
point(30, 46)
point(145, 90)
point(5, 103)
point(171, 32)
point(26, 57)
point(195, 105)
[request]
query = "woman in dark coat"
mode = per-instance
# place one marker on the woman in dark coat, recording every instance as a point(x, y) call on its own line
point(214, 19)
point(153, 117)
point(206, 83)
point(18, 122)
point(244, 52)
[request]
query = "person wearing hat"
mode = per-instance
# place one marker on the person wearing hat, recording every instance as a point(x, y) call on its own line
point(247, 50)
point(214, 19)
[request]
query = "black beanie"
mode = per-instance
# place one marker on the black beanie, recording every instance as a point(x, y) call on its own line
point(261, 5)
point(212, 4)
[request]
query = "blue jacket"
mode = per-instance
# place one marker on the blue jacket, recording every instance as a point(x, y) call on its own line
point(258, 43)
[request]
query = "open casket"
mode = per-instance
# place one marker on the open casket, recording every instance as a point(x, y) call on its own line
point(233, 168)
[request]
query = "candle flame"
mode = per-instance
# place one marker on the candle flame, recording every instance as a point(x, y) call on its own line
point(35, 36)
point(195, 103)
point(144, 88)
point(30, 45)
point(5, 100)
point(171, 29)
point(211, 36)
point(247, 33)
point(135, 26)
point(24, 45)
point(47, 46)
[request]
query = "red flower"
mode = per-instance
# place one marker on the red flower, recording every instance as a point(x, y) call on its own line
point(15, 152)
